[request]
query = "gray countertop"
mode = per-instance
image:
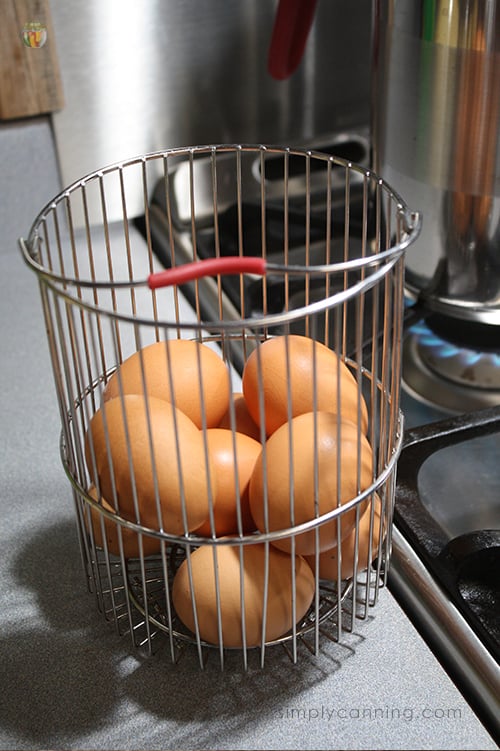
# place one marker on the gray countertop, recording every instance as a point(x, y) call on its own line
point(69, 681)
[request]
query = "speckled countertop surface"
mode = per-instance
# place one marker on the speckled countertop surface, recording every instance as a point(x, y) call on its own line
point(70, 682)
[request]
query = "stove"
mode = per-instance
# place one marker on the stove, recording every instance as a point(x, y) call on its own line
point(446, 545)
point(453, 365)
point(446, 541)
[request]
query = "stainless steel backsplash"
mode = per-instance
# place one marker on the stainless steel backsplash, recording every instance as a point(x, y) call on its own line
point(141, 77)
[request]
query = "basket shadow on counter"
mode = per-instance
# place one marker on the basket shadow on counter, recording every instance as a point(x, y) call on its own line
point(213, 706)
point(73, 670)
point(59, 675)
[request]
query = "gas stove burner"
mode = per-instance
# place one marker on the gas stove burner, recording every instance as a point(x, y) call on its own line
point(444, 373)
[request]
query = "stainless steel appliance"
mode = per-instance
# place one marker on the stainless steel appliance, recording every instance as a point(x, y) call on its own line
point(141, 77)
point(436, 136)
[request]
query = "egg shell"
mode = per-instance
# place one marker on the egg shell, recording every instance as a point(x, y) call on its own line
point(190, 364)
point(328, 560)
point(282, 370)
point(130, 539)
point(233, 457)
point(243, 421)
point(279, 615)
point(314, 442)
point(129, 444)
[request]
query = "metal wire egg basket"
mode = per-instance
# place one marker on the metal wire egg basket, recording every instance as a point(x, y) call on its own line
point(263, 244)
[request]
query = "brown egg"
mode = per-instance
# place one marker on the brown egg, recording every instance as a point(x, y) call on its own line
point(279, 614)
point(283, 367)
point(190, 364)
point(130, 539)
point(314, 448)
point(129, 446)
point(233, 458)
point(242, 418)
point(328, 560)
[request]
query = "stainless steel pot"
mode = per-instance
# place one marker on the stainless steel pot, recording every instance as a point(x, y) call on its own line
point(436, 130)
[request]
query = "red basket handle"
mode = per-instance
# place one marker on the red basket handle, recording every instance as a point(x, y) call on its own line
point(290, 32)
point(208, 267)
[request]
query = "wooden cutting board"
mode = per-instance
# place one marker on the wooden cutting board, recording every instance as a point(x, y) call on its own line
point(30, 81)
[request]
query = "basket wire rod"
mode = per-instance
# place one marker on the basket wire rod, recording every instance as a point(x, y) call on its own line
point(398, 297)
point(147, 221)
point(74, 254)
point(390, 501)
point(328, 244)
point(339, 334)
point(389, 511)
point(293, 572)
point(193, 606)
point(374, 364)
point(386, 372)
point(128, 252)
point(60, 254)
point(315, 479)
point(217, 248)
point(360, 303)
point(168, 601)
point(385, 411)
point(44, 242)
point(95, 292)
point(239, 209)
point(107, 241)
point(394, 371)
point(244, 639)
point(76, 462)
point(286, 220)
point(93, 551)
point(114, 500)
point(291, 465)
point(347, 217)
point(86, 544)
point(48, 309)
point(203, 428)
point(357, 515)
point(82, 367)
point(308, 238)
point(115, 606)
point(147, 620)
point(371, 553)
point(358, 317)
point(263, 233)
point(215, 209)
point(265, 596)
point(193, 229)
point(171, 236)
point(147, 623)
point(178, 455)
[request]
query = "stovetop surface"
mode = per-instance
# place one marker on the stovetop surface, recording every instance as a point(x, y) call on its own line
point(448, 506)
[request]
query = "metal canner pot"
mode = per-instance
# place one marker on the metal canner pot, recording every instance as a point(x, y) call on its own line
point(436, 129)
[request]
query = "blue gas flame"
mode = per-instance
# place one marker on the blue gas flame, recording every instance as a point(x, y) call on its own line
point(444, 349)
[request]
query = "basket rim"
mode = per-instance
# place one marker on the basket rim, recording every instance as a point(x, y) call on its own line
point(382, 261)
point(253, 323)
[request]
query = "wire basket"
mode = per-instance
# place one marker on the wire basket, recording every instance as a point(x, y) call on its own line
point(230, 414)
